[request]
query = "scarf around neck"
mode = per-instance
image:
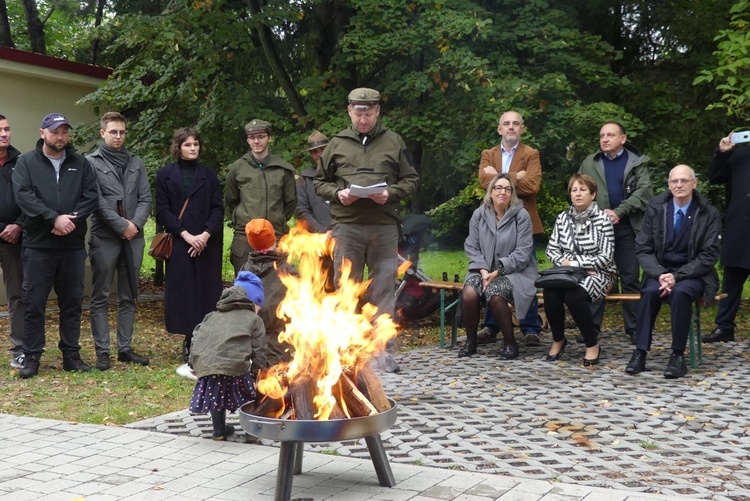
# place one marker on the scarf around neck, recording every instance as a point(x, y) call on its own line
point(118, 158)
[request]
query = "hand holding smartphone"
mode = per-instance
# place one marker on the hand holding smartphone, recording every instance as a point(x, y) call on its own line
point(741, 137)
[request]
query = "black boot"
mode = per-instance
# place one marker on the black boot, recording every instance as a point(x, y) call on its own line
point(186, 347)
point(221, 429)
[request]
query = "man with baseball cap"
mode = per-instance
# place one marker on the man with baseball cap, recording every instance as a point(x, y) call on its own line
point(366, 228)
point(56, 189)
point(312, 209)
point(258, 185)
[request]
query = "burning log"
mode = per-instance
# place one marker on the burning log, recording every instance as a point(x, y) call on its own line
point(355, 401)
point(369, 384)
point(302, 394)
point(269, 407)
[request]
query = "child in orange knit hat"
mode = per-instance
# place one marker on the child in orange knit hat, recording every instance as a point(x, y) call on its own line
point(261, 261)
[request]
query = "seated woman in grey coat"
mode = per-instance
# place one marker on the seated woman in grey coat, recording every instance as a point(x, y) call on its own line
point(502, 266)
point(583, 237)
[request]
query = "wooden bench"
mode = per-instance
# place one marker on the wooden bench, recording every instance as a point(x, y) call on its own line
point(450, 292)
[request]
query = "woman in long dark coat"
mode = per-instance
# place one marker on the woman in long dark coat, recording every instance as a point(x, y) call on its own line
point(194, 272)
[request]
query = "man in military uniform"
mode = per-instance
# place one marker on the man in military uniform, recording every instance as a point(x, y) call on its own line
point(366, 227)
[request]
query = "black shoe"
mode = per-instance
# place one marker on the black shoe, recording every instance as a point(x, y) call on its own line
point(30, 368)
point(131, 357)
point(102, 362)
point(556, 357)
point(676, 367)
point(637, 363)
point(73, 362)
point(468, 350)
point(719, 336)
point(228, 430)
point(186, 350)
point(510, 351)
point(595, 361)
point(533, 339)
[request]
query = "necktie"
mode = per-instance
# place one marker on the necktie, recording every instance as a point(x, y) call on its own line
point(677, 222)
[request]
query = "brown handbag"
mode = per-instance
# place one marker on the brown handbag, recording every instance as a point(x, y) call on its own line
point(161, 245)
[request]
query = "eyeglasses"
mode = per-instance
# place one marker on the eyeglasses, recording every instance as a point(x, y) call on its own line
point(257, 137)
point(506, 189)
point(514, 123)
point(117, 133)
point(675, 182)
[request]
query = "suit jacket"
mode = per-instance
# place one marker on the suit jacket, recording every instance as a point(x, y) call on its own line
point(525, 159)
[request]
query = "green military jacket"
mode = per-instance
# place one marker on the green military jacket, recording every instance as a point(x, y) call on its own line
point(380, 156)
point(267, 192)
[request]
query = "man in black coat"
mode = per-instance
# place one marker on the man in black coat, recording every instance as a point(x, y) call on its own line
point(678, 248)
point(10, 243)
point(56, 189)
point(731, 165)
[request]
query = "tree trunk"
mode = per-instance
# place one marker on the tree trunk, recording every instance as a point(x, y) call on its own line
point(274, 61)
point(35, 27)
point(6, 37)
point(97, 22)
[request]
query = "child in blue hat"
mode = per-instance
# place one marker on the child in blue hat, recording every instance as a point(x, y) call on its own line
point(228, 349)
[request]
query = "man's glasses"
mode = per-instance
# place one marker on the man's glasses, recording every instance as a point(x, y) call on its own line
point(257, 137)
point(117, 133)
point(675, 182)
point(506, 189)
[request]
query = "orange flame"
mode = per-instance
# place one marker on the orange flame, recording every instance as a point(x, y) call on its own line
point(328, 331)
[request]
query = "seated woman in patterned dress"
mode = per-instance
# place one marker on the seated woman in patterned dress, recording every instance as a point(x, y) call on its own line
point(502, 265)
point(583, 237)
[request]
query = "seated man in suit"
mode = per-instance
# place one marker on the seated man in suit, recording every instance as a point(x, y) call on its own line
point(678, 248)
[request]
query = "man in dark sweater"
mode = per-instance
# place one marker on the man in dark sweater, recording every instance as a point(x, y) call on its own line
point(678, 248)
point(56, 189)
point(10, 243)
point(622, 176)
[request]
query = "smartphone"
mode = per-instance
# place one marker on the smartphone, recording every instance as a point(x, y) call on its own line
point(741, 137)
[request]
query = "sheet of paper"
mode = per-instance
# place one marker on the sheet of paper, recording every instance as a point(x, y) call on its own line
point(365, 191)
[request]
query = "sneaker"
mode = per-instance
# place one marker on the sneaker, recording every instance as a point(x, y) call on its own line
point(30, 367)
point(102, 361)
point(185, 371)
point(533, 339)
point(17, 361)
point(73, 362)
point(131, 357)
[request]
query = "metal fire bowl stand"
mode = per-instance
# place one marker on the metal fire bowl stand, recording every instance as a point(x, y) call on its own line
point(294, 433)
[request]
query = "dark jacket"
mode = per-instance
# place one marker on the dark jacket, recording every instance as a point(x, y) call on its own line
point(10, 212)
point(310, 207)
point(268, 193)
point(733, 168)
point(383, 157)
point(42, 197)
point(703, 246)
point(231, 340)
point(636, 185)
point(267, 267)
point(193, 284)
point(134, 191)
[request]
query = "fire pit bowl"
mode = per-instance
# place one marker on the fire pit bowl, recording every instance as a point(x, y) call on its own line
point(294, 433)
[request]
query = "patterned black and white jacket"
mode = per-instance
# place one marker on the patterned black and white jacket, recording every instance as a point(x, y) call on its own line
point(590, 243)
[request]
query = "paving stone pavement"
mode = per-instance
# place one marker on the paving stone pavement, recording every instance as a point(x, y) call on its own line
point(561, 422)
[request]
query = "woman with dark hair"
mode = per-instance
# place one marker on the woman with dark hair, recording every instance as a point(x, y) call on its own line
point(502, 265)
point(583, 237)
point(193, 276)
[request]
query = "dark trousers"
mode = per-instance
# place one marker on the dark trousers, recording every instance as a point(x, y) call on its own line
point(734, 280)
point(680, 301)
point(10, 262)
point(629, 272)
point(578, 302)
point(44, 269)
point(529, 324)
